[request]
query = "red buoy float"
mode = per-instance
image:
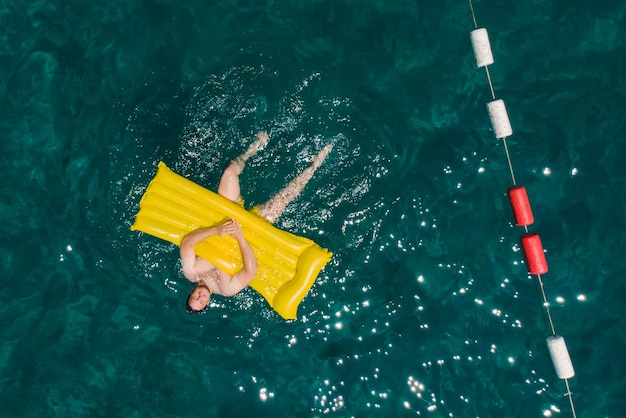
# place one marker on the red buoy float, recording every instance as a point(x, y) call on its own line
point(521, 206)
point(533, 250)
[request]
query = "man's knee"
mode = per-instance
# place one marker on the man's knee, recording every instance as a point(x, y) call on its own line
point(232, 170)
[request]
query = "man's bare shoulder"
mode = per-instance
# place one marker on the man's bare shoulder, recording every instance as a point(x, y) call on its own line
point(188, 265)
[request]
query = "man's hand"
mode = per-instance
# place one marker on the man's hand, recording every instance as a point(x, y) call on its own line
point(236, 233)
point(230, 227)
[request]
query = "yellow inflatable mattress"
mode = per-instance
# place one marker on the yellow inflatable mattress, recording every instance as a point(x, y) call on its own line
point(173, 206)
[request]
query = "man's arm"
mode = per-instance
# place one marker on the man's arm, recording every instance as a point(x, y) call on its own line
point(243, 277)
point(189, 241)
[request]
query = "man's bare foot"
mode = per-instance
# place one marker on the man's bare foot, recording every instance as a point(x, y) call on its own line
point(261, 140)
point(319, 158)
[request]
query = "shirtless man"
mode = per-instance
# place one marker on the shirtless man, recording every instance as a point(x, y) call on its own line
point(208, 278)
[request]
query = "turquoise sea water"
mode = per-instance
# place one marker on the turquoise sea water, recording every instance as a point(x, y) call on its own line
point(426, 308)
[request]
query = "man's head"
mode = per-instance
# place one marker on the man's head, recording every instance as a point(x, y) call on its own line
point(198, 298)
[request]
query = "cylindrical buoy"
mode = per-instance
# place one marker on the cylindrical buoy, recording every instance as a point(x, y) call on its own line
point(499, 119)
point(521, 206)
point(482, 47)
point(560, 357)
point(533, 250)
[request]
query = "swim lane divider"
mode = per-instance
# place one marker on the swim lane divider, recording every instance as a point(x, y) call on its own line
point(518, 198)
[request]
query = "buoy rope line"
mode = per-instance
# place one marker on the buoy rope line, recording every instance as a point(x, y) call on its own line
point(531, 243)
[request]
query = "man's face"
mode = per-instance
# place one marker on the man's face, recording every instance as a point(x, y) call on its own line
point(199, 298)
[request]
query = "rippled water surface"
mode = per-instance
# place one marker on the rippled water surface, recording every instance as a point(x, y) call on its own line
point(426, 308)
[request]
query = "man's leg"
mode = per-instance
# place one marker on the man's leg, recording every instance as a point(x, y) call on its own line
point(229, 183)
point(273, 208)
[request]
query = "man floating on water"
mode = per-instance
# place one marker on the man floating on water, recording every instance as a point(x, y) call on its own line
point(209, 279)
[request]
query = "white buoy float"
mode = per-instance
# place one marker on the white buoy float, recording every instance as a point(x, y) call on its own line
point(499, 119)
point(482, 47)
point(560, 357)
